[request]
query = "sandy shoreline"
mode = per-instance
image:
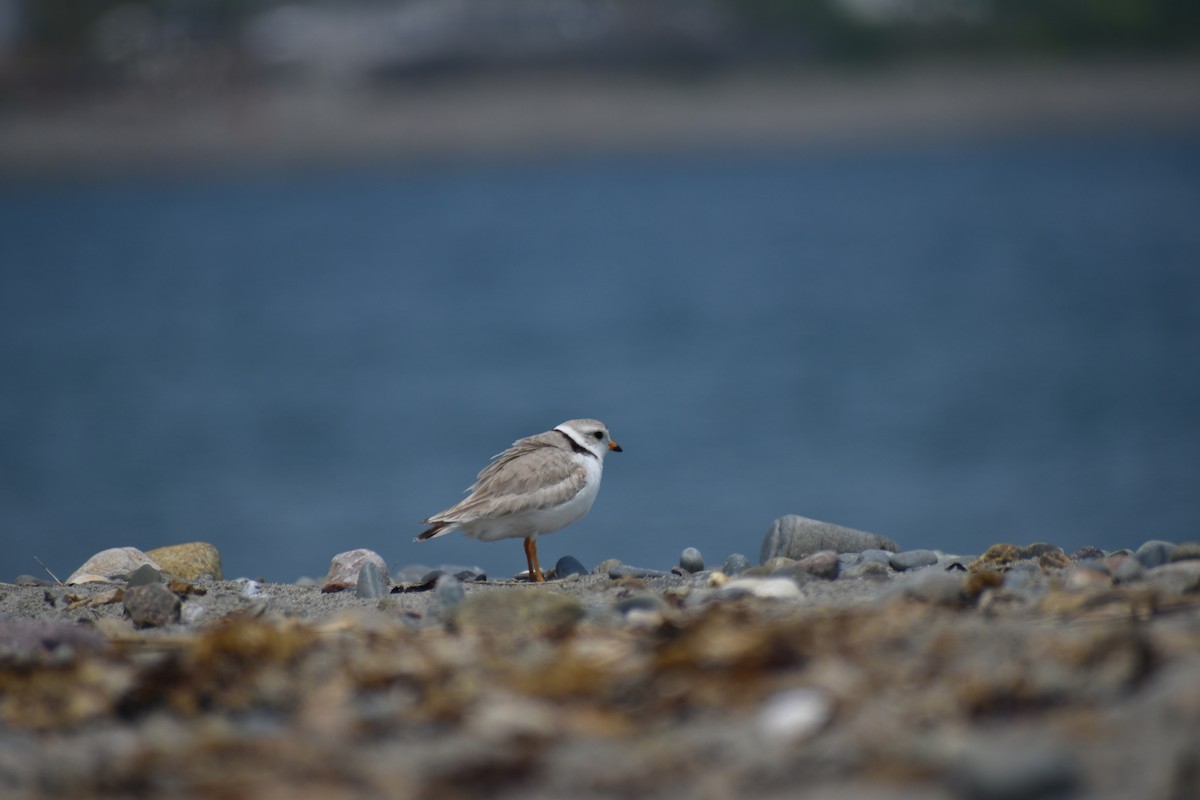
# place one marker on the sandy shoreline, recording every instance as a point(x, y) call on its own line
point(513, 117)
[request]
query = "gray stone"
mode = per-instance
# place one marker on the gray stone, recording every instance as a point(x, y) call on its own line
point(691, 561)
point(151, 605)
point(1155, 553)
point(931, 586)
point(448, 593)
point(1186, 551)
point(912, 559)
point(143, 575)
point(868, 569)
point(620, 570)
point(569, 565)
point(875, 554)
point(1124, 569)
point(736, 563)
point(111, 566)
point(796, 537)
point(1180, 577)
point(537, 610)
point(192, 613)
point(370, 581)
point(823, 565)
point(640, 601)
point(30, 580)
point(345, 567)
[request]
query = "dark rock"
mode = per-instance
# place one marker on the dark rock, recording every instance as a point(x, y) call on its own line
point(1014, 773)
point(1155, 553)
point(471, 576)
point(796, 537)
point(190, 561)
point(1186, 551)
point(143, 575)
point(956, 566)
point(911, 559)
point(370, 582)
point(344, 569)
point(620, 570)
point(690, 560)
point(569, 565)
point(735, 564)
point(151, 605)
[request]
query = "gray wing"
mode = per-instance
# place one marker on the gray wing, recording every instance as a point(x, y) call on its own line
point(536, 472)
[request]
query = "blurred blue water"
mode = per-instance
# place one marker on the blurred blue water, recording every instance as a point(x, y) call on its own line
point(951, 346)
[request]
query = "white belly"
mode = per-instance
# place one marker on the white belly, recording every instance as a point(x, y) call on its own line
point(546, 520)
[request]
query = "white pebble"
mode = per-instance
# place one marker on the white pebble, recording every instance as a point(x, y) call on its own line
point(794, 714)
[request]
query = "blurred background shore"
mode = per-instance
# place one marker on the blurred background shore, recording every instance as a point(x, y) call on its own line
point(173, 83)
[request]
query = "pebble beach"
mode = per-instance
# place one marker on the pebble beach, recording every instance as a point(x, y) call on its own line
point(819, 662)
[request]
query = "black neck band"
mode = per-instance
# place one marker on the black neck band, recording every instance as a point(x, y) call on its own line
point(576, 446)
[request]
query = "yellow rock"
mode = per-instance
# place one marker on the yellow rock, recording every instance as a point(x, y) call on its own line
point(189, 561)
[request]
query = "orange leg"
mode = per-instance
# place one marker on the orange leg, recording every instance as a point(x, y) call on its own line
point(535, 569)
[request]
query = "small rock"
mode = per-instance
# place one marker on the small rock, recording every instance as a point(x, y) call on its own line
point(606, 567)
point(1087, 578)
point(1087, 553)
point(151, 605)
point(691, 561)
point(1155, 553)
point(35, 640)
point(796, 537)
point(253, 589)
point(868, 569)
point(370, 582)
point(620, 570)
point(111, 566)
point(1180, 577)
point(568, 565)
point(736, 563)
point(192, 613)
point(534, 611)
point(1014, 773)
point(931, 586)
point(448, 594)
point(1054, 559)
point(794, 714)
point(1124, 568)
point(912, 559)
point(30, 580)
point(143, 575)
point(1186, 551)
point(824, 565)
point(875, 554)
point(190, 561)
point(642, 609)
point(345, 567)
point(766, 588)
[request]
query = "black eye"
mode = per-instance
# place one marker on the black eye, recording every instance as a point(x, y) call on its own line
point(599, 434)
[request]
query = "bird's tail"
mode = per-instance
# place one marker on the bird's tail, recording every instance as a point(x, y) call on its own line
point(438, 529)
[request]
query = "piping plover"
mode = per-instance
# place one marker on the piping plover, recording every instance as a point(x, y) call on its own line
point(540, 484)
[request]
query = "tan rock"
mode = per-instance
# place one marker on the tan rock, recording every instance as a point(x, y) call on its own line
point(189, 561)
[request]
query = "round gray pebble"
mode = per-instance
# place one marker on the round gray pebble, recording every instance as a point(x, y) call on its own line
point(734, 564)
point(691, 560)
point(912, 559)
point(1155, 553)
